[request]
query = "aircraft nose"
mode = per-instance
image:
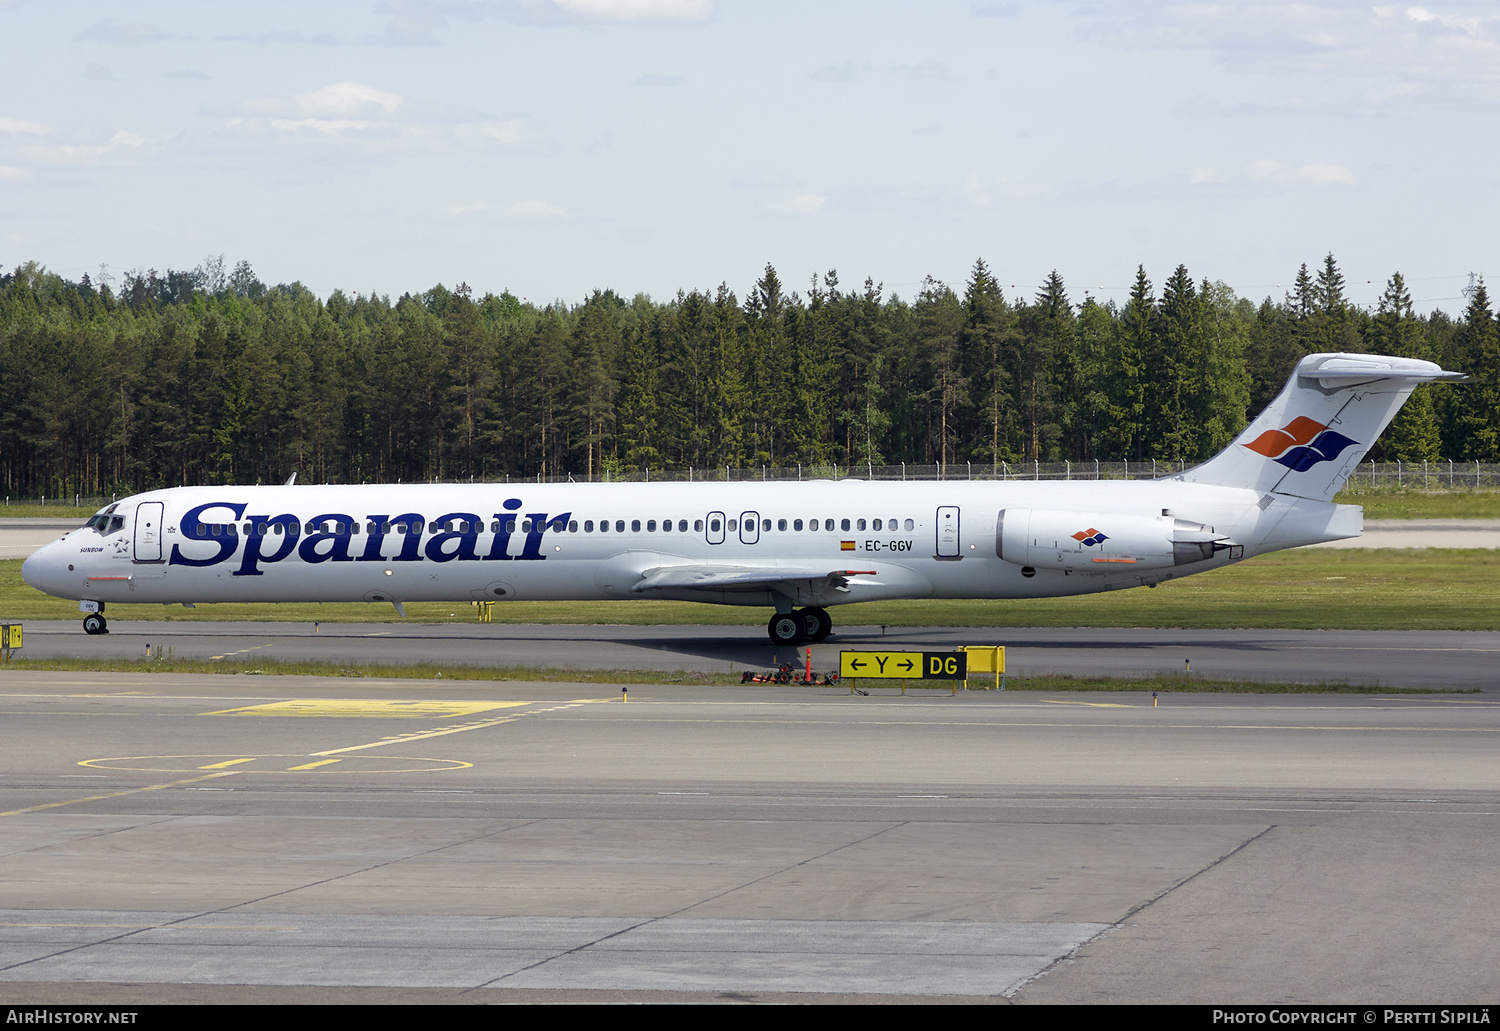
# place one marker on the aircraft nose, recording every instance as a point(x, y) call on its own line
point(43, 570)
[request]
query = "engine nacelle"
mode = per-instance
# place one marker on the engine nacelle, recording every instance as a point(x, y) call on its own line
point(1100, 542)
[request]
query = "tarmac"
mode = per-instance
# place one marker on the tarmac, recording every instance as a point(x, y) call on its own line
point(288, 839)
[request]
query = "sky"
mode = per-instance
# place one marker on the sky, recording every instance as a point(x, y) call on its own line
point(555, 147)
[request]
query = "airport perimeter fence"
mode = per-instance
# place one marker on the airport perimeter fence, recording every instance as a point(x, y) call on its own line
point(1439, 475)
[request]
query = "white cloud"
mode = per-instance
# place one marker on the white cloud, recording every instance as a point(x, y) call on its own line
point(108, 31)
point(845, 71)
point(639, 10)
point(352, 112)
point(344, 99)
point(1204, 175)
point(803, 204)
point(576, 12)
point(121, 142)
point(1456, 59)
point(1278, 174)
point(932, 70)
point(12, 175)
point(15, 125)
point(534, 209)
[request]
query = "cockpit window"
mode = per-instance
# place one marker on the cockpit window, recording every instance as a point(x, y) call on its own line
point(105, 524)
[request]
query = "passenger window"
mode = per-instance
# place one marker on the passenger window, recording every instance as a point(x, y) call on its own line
point(733, 525)
point(859, 524)
point(698, 525)
point(765, 524)
point(781, 524)
point(844, 525)
point(635, 526)
point(588, 526)
point(682, 526)
point(876, 524)
point(796, 524)
point(619, 526)
point(910, 524)
point(573, 526)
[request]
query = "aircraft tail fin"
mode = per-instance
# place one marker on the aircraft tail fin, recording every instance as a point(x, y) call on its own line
point(1324, 421)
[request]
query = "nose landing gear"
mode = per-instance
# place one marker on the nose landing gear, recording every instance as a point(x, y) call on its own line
point(95, 623)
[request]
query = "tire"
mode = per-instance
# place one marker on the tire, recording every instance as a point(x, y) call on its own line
point(786, 629)
point(93, 623)
point(817, 624)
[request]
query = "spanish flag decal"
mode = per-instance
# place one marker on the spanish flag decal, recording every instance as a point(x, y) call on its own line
point(846, 545)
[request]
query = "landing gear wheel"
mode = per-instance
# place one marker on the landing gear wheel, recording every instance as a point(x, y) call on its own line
point(786, 629)
point(817, 624)
point(94, 623)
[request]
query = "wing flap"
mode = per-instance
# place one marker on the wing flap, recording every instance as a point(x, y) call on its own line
point(738, 578)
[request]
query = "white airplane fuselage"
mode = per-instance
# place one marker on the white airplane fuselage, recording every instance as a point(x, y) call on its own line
point(310, 543)
point(804, 546)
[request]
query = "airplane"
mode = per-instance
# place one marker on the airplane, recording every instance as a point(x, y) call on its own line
point(800, 550)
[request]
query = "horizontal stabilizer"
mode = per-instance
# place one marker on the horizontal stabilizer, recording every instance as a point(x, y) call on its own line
point(1324, 421)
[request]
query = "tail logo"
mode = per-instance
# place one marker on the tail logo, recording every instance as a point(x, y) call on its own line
point(1088, 538)
point(1301, 444)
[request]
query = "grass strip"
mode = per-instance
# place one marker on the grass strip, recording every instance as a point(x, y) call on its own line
point(1305, 589)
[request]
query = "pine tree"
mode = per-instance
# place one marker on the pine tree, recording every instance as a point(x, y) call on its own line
point(985, 344)
point(1413, 436)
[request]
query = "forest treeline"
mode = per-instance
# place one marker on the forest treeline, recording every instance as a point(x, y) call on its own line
point(209, 376)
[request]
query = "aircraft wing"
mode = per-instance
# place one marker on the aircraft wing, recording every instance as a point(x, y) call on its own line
point(740, 578)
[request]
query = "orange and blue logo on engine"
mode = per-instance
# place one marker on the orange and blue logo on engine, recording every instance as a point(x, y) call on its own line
point(1088, 538)
point(1301, 444)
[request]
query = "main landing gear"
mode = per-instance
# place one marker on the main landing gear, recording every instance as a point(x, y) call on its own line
point(94, 623)
point(809, 624)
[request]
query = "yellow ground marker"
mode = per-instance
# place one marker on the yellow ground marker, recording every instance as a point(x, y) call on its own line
point(313, 766)
point(227, 762)
point(367, 707)
point(113, 794)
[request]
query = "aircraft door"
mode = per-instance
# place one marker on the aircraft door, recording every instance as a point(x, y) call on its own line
point(749, 527)
point(148, 520)
point(715, 528)
point(947, 532)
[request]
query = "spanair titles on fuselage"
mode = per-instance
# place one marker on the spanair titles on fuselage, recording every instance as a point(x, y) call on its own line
point(341, 537)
